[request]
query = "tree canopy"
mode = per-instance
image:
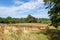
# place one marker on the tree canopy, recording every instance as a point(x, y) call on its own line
point(28, 19)
point(31, 19)
point(54, 11)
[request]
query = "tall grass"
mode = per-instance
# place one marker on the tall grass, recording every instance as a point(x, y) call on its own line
point(9, 32)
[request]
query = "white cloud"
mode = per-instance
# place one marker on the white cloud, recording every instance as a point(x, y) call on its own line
point(17, 2)
point(31, 5)
point(25, 7)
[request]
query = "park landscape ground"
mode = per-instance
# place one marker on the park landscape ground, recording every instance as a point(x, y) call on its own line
point(29, 19)
point(26, 31)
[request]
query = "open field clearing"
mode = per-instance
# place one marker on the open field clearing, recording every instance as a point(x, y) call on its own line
point(36, 24)
point(28, 31)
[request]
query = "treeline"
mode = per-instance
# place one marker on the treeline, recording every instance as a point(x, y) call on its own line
point(28, 19)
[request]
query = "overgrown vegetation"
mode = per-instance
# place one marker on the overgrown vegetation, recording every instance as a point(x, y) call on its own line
point(10, 32)
point(28, 19)
point(54, 11)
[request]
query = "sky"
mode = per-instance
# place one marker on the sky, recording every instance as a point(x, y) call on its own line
point(22, 8)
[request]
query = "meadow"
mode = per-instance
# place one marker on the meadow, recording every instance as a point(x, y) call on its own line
point(28, 31)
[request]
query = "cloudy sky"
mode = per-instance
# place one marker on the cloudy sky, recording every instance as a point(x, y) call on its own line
point(21, 8)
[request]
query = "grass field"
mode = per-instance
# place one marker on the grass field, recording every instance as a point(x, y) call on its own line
point(15, 32)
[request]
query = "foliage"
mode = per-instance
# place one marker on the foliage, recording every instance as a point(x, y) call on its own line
point(43, 20)
point(28, 19)
point(53, 34)
point(54, 11)
point(31, 19)
point(0, 20)
point(9, 20)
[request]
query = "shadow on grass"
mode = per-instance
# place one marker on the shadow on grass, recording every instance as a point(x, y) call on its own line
point(53, 34)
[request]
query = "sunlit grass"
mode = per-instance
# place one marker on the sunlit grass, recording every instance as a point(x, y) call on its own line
point(9, 32)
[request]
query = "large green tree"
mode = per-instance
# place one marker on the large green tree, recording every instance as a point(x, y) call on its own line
point(31, 19)
point(1, 20)
point(9, 20)
point(54, 11)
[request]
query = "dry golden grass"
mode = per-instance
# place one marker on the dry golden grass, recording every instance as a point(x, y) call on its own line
point(16, 32)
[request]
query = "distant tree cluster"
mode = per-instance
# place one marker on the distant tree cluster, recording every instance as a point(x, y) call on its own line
point(28, 19)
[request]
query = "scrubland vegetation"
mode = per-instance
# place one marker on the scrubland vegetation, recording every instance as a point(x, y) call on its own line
point(29, 28)
point(28, 19)
point(24, 32)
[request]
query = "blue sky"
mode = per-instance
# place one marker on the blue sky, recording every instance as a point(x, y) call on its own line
point(21, 8)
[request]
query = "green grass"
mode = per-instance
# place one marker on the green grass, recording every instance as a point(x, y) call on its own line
point(34, 35)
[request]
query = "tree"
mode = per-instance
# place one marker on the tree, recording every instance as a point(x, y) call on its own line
point(22, 20)
point(0, 20)
point(31, 19)
point(39, 20)
point(9, 20)
point(54, 11)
